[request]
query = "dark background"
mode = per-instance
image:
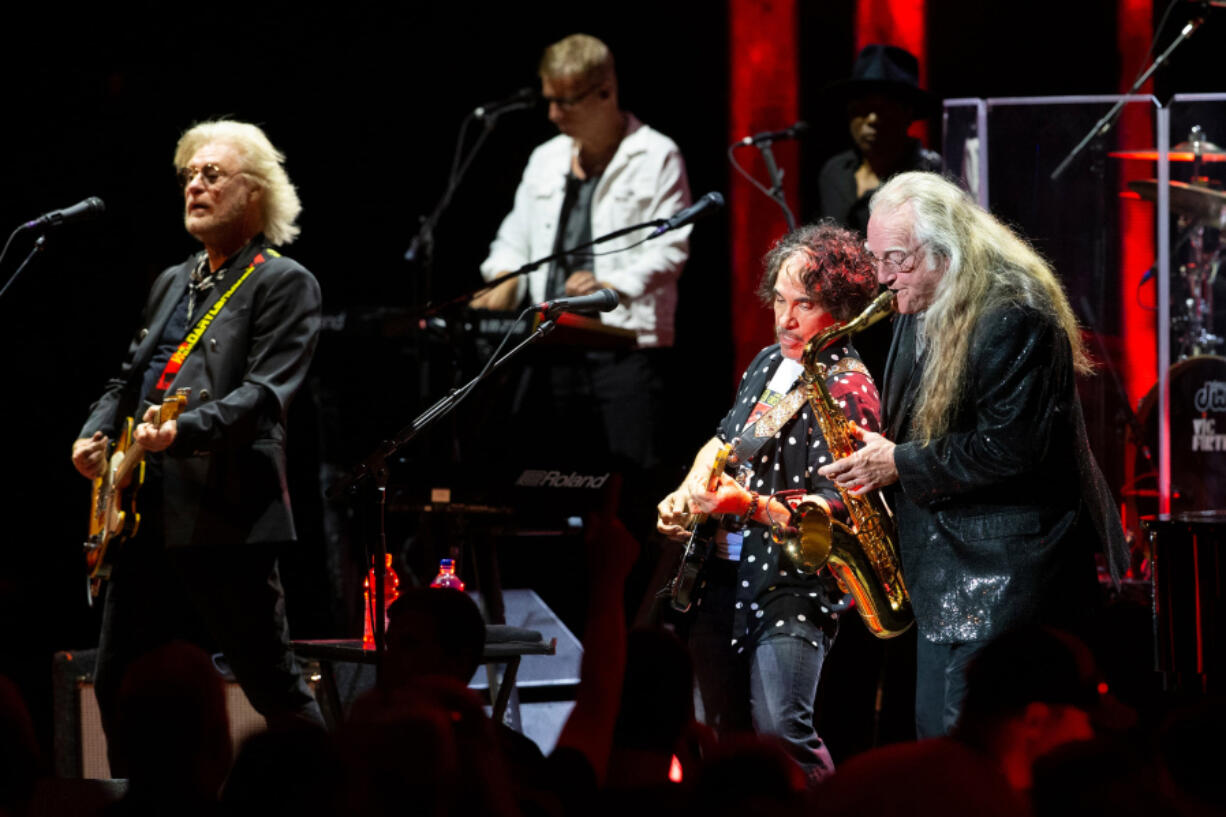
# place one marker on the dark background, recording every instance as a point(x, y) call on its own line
point(365, 100)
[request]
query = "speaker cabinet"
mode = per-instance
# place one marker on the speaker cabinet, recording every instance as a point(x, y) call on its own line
point(80, 744)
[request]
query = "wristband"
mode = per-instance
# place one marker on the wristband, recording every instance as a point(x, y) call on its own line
point(753, 506)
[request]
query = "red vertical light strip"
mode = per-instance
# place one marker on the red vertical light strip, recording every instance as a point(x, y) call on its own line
point(901, 23)
point(763, 95)
point(1138, 362)
point(894, 22)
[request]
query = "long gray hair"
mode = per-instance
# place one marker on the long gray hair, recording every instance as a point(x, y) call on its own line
point(987, 266)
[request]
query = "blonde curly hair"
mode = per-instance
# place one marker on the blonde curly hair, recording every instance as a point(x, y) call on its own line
point(261, 161)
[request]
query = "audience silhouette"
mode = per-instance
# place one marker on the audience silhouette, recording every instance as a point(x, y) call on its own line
point(1040, 734)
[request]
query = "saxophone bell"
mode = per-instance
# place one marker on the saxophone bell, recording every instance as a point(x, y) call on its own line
point(810, 536)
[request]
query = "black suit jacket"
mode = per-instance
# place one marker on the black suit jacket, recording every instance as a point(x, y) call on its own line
point(224, 477)
point(999, 518)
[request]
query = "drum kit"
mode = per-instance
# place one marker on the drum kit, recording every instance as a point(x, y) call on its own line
point(1197, 381)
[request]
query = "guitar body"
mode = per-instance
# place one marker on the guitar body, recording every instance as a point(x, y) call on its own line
point(693, 559)
point(112, 514)
point(698, 546)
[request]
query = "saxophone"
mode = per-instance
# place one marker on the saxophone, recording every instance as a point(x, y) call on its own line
point(863, 557)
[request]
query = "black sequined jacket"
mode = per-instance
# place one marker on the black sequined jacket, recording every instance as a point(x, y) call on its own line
point(999, 518)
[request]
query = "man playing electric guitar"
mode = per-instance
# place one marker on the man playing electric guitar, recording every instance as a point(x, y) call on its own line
point(761, 628)
point(113, 516)
point(236, 323)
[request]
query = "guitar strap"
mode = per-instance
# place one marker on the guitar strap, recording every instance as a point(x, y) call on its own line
point(193, 337)
point(768, 425)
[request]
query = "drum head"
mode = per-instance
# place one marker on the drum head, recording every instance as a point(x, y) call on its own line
point(1198, 443)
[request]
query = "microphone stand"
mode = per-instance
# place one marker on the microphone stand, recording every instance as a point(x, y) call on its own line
point(1103, 126)
point(39, 244)
point(422, 245)
point(776, 188)
point(775, 191)
point(374, 467)
point(465, 297)
point(421, 248)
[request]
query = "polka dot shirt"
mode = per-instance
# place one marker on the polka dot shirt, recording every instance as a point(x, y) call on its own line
point(773, 598)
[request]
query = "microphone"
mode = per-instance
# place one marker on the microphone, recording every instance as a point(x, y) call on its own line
point(89, 208)
point(602, 300)
point(766, 137)
point(707, 204)
point(1196, 22)
point(523, 98)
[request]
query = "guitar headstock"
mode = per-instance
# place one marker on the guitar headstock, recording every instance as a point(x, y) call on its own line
point(173, 405)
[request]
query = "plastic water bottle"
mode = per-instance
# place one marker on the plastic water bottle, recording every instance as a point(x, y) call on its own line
point(391, 592)
point(446, 576)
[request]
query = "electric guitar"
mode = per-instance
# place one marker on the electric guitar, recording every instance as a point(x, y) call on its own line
point(698, 546)
point(112, 512)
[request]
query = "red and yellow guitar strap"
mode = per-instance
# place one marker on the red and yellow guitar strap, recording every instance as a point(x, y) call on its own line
point(193, 337)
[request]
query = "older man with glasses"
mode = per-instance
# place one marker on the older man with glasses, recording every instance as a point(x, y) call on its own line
point(236, 323)
point(1000, 504)
point(604, 171)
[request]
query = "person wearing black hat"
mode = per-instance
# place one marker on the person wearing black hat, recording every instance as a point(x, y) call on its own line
point(882, 98)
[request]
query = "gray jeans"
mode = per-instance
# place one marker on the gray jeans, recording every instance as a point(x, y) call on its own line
point(940, 684)
point(768, 688)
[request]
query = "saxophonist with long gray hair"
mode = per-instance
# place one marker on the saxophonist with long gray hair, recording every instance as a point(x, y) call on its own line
point(763, 619)
point(999, 503)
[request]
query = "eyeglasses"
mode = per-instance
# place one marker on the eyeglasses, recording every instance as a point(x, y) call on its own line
point(570, 101)
point(210, 173)
point(892, 259)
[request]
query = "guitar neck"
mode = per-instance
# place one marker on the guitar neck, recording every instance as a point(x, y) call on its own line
point(131, 459)
point(718, 465)
point(167, 411)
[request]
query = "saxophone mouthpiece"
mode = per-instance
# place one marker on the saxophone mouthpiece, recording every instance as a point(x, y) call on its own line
point(880, 307)
point(887, 300)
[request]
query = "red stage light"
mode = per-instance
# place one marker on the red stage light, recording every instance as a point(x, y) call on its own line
point(763, 95)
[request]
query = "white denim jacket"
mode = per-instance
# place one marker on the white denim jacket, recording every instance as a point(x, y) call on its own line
point(645, 180)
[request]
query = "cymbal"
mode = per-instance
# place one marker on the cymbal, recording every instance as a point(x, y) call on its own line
point(1197, 203)
point(1183, 152)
